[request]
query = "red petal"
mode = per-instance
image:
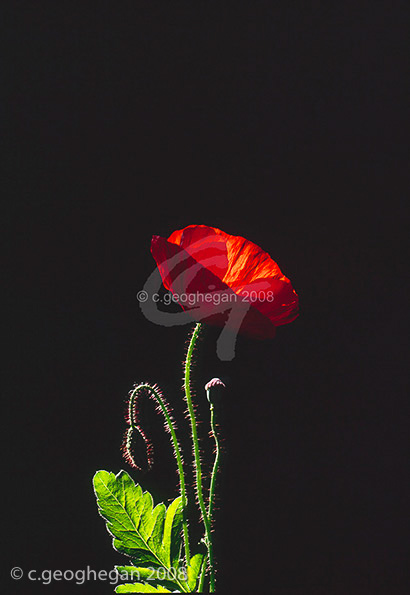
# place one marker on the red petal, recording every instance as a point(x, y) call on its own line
point(205, 245)
point(189, 280)
point(206, 260)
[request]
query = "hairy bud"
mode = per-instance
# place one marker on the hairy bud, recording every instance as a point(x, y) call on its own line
point(214, 390)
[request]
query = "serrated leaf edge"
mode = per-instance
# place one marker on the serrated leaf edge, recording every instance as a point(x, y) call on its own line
point(160, 508)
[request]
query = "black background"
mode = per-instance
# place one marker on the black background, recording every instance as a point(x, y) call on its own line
point(283, 122)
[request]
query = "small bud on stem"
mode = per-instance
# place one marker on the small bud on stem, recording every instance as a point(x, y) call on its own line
point(214, 390)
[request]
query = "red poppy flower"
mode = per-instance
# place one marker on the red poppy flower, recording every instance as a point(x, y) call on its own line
point(213, 274)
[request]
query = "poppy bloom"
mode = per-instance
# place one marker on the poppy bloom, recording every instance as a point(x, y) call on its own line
point(225, 280)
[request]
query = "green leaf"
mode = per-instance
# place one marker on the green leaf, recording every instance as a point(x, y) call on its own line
point(140, 588)
point(150, 536)
point(172, 533)
point(157, 576)
point(194, 570)
point(135, 572)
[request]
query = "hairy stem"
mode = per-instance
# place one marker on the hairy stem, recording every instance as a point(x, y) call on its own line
point(177, 451)
point(197, 459)
point(215, 467)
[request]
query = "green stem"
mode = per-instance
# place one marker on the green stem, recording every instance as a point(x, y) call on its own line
point(197, 459)
point(202, 576)
point(178, 456)
point(215, 467)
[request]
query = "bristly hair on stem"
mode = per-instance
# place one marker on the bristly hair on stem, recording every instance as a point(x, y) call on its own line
point(127, 448)
point(191, 410)
point(132, 419)
point(197, 458)
point(188, 364)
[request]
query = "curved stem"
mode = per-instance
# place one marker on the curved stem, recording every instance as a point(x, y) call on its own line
point(177, 451)
point(215, 467)
point(197, 459)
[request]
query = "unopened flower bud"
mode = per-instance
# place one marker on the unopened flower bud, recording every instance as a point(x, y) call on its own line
point(214, 389)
